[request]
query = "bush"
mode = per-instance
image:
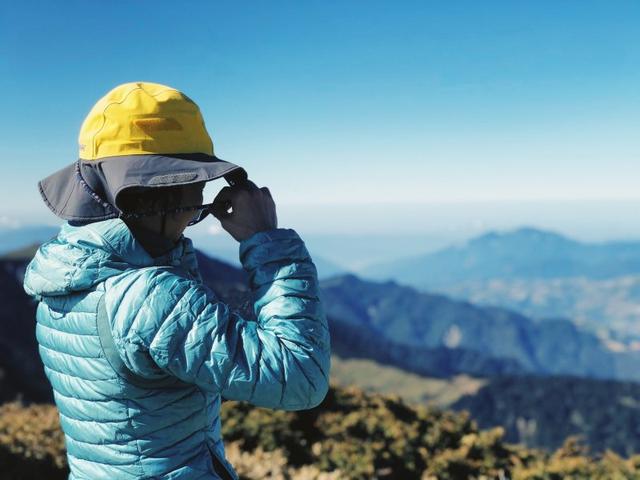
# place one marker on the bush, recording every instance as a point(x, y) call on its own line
point(351, 435)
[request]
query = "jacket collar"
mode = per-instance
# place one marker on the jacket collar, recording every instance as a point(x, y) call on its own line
point(115, 236)
point(80, 256)
point(154, 243)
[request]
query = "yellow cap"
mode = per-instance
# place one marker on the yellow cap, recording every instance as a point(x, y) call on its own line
point(143, 118)
point(156, 137)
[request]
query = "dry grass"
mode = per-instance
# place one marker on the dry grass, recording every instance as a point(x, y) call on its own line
point(374, 377)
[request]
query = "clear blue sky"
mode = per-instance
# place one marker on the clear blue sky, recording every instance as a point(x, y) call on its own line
point(358, 102)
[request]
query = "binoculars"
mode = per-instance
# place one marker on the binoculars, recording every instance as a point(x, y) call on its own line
point(237, 178)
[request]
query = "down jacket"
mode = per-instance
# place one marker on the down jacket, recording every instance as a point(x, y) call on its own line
point(166, 324)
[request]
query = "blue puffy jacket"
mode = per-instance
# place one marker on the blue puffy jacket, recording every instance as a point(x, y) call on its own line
point(167, 327)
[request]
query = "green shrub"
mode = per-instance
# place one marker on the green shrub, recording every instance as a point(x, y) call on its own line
point(351, 435)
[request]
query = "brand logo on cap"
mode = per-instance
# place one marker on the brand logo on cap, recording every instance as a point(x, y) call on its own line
point(172, 178)
point(150, 125)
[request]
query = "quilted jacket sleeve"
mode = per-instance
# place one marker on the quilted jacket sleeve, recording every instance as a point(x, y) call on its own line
point(280, 361)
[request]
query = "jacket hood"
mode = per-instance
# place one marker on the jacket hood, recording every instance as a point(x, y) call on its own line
point(80, 257)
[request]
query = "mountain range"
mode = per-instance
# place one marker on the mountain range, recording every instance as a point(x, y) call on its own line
point(409, 318)
point(538, 273)
point(394, 324)
point(522, 253)
point(544, 411)
point(399, 326)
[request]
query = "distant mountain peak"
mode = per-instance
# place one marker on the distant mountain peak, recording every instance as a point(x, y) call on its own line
point(522, 253)
point(347, 278)
point(523, 234)
point(350, 280)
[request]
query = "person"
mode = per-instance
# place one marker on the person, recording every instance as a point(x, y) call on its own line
point(138, 350)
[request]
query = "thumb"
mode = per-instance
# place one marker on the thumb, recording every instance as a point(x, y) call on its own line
point(222, 203)
point(220, 210)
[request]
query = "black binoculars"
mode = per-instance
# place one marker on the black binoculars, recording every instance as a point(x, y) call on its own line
point(237, 178)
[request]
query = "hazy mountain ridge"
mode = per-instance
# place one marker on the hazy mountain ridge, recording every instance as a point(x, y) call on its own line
point(353, 341)
point(609, 306)
point(537, 273)
point(406, 316)
point(522, 253)
point(543, 412)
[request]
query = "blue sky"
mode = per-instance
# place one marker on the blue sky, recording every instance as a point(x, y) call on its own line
point(358, 103)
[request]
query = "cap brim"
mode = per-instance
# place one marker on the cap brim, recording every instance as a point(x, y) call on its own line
point(89, 192)
point(65, 195)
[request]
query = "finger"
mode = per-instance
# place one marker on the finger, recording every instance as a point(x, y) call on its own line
point(220, 210)
point(269, 196)
point(222, 202)
point(225, 194)
point(250, 186)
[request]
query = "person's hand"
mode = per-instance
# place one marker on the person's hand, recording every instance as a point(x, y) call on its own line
point(253, 210)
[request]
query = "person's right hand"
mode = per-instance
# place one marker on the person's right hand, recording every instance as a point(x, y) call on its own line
point(253, 210)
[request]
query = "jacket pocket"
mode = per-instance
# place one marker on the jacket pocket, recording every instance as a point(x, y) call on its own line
point(220, 466)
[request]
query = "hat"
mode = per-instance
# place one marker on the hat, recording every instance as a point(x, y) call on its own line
point(140, 134)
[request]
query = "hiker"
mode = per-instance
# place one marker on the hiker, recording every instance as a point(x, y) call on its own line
point(138, 351)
